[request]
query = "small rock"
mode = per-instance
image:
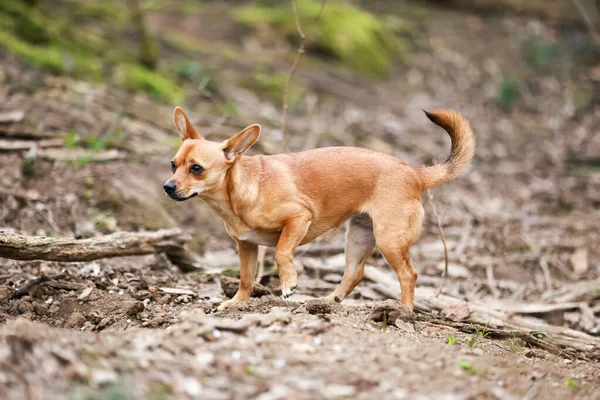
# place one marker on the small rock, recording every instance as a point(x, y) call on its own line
point(135, 308)
point(457, 312)
point(230, 286)
point(6, 293)
point(177, 291)
point(41, 308)
point(76, 320)
point(192, 315)
point(103, 376)
point(164, 299)
point(405, 326)
point(192, 386)
point(318, 306)
point(337, 391)
point(395, 311)
point(25, 307)
point(104, 323)
point(85, 293)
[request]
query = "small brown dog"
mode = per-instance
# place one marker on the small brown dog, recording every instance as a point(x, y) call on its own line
point(287, 200)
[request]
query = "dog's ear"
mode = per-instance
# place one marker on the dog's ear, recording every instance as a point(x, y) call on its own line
point(237, 145)
point(185, 129)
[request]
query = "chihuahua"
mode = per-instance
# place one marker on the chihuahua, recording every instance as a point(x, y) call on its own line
point(287, 200)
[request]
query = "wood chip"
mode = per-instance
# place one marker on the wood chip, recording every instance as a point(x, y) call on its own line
point(85, 294)
point(579, 261)
point(177, 291)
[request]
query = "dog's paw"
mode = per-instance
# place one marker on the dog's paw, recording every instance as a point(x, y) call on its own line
point(333, 299)
point(288, 291)
point(228, 303)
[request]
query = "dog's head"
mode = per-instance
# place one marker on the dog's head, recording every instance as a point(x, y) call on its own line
point(200, 166)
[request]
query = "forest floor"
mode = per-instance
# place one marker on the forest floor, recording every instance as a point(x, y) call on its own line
point(521, 225)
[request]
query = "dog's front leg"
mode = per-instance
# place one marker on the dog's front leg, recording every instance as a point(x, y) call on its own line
point(248, 255)
point(291, 236)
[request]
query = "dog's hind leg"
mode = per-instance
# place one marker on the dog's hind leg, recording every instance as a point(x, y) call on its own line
point(359, 246)
point(394, 236)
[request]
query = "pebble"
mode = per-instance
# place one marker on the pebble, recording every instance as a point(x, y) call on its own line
point(318, 306)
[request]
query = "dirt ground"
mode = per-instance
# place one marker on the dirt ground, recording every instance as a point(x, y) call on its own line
point(521, 227)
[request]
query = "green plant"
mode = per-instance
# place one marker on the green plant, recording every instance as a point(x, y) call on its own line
point(467, 367)
point(451, 339)
point(71, 140)
point(539, 52)
point(480, 332)
point(229, 109)
point(355, 37)
point(385, 321)
point(508, 92)
point(514, 344)
point(573, 383)
point(539, 334)
point(137, 78)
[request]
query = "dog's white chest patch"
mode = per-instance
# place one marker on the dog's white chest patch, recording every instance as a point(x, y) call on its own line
point(263, 238)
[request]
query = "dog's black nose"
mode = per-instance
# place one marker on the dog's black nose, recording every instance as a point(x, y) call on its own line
point(169, 187)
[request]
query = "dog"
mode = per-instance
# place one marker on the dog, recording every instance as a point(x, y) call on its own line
point(287, 200)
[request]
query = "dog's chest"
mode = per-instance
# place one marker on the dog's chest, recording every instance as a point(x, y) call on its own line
point(263, 238)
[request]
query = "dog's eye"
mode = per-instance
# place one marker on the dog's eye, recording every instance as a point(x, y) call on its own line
point(173, 166)
point(196, 169)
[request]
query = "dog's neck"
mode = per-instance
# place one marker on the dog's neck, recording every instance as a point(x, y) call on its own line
point(238, 192)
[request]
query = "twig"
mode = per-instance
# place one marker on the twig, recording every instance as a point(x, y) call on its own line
point(262, 252)
point(536, 250)
point(36, 281)
point(587, 18)
point(301, 51)
point(491, 281)
point(443, 237)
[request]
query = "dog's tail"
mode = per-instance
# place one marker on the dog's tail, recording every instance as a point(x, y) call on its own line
point(461, 153)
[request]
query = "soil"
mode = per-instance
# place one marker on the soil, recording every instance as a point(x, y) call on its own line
point(521, 225)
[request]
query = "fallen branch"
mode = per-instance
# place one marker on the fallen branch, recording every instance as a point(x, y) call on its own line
point(301, 51)
point(500, 323)
point(171, 242)
point(79, 155)
point(25, 133)
point(36, 281)
point(7, 145)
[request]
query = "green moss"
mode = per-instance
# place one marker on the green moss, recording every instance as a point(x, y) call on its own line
point(27, 22)
point(357, 38)
point(37, 56)
point(52, 58)
point(272, 85)
point(137, 78)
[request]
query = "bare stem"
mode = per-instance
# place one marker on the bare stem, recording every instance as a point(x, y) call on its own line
point(301, 51)
point(443, 237)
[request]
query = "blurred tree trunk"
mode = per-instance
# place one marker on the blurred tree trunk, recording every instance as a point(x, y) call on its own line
point(148, 55)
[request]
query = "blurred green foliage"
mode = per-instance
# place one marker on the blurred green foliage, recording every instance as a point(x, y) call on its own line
point(508, 92)
point(84, 39)
point(357, 38)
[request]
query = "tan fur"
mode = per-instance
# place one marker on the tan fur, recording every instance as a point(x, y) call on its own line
point(287, 200)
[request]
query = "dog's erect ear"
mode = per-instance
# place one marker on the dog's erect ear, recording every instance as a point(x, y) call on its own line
point(185, 129)
point(237, 145)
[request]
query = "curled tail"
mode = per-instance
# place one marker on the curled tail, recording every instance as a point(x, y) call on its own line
point(461, 153)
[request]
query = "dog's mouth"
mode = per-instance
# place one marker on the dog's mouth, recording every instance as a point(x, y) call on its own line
point(177, 198)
